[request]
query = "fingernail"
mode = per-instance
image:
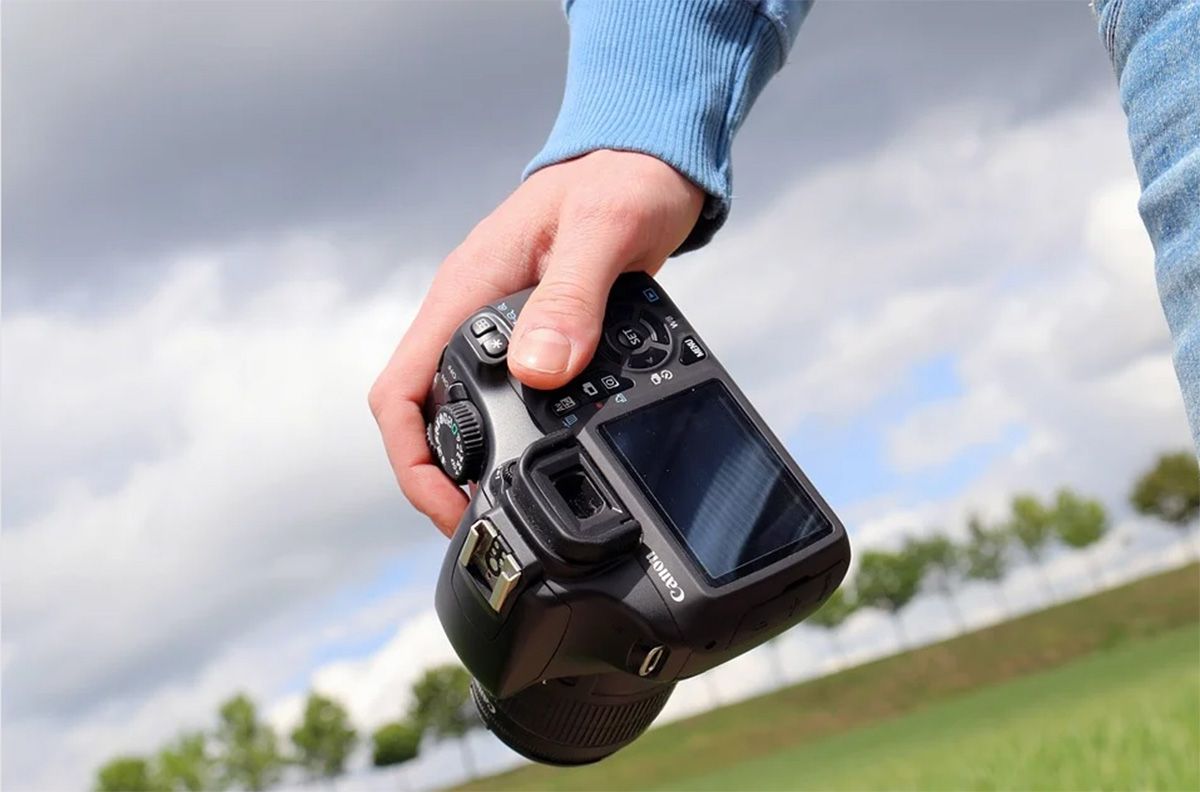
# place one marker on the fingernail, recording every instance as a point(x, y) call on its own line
point(544, 349)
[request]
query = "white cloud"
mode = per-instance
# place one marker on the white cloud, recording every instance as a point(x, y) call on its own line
point(204, 467)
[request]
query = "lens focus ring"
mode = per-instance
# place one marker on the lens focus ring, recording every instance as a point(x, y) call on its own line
point(561, 724)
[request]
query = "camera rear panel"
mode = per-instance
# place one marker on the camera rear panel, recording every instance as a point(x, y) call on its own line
point(612, 521)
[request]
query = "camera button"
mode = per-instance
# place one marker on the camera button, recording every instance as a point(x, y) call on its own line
point(482, 326)
point(494, 345)
point(658, 330)
point(456, 392)
point(648, 359)
point(564, 405)
point(630, 336)
point(613, 384)
point(691, 351)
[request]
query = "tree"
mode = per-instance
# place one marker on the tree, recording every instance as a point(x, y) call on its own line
point(985, 557)
point(1079, 523)
point(248, 751)
point(442, 706)
point(185, 764)
point(1030, 525)
point(395, 743)
point(888, 581)
point(126, 774)
point(1170, 491)
point(832, 613)
point(324, 738)
point(942, 563)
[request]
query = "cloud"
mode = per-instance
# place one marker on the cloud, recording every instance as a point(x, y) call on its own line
point(194, 491)
point(200, 125)
point(1013, 250)
point(203, 125)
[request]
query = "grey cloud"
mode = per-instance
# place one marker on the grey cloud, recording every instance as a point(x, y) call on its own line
point(188, 125)
point(180, 125)
point(861, 71)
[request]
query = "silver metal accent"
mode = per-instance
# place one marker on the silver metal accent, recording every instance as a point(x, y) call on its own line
point(469, 544)
point(476, 555)
point(650, 661)
point(510, 573)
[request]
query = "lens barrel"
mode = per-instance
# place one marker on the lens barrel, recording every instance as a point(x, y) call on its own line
point(575, 720)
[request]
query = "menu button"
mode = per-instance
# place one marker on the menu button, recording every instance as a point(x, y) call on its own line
point(692, 352)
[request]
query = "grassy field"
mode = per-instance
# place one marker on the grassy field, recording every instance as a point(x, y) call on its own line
point(1101, 692)
point(1127, 718)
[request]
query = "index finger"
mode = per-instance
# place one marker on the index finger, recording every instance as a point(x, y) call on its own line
point(460, 288)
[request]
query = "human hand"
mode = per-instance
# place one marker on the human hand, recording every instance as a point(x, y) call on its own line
point(571, 229)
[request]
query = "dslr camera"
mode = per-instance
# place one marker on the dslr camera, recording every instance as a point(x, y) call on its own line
point(637, 527)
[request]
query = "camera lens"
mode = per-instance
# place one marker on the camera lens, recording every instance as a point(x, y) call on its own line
point(575, 720)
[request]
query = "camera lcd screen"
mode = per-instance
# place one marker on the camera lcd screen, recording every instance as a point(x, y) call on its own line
point(716, 481)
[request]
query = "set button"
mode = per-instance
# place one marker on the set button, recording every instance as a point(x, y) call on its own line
point(630, 336)
point(637, 338)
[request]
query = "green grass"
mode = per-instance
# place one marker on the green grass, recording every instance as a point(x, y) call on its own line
point(1127, 718)
point(772, 741)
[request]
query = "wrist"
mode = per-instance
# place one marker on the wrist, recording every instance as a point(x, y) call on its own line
point(672, 80)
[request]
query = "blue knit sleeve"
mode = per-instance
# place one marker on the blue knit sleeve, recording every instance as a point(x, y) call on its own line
point(673, 79)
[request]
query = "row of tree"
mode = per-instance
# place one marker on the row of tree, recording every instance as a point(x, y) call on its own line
point(244, 752)
point(889, 581)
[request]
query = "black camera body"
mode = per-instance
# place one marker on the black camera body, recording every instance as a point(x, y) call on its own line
point(635, 528)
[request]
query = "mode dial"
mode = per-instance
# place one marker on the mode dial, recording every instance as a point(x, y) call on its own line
point(456, 438)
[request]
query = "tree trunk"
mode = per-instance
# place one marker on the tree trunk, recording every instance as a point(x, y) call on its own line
point(1097, 578)
point(1047, 589)
point(838, 654)
point(956, 614)
point(714, 695)
point(903, 639)
point(1005, 609)
point(468, 758)
point(776, 654)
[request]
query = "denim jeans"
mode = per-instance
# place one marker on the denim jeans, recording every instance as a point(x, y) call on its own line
point(1155, 51)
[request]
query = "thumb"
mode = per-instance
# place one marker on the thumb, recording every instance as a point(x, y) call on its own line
point(559, 326)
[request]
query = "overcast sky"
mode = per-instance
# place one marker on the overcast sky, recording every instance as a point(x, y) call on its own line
point(218, 219)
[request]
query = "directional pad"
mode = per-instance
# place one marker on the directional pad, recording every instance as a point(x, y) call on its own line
point(636, 338)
